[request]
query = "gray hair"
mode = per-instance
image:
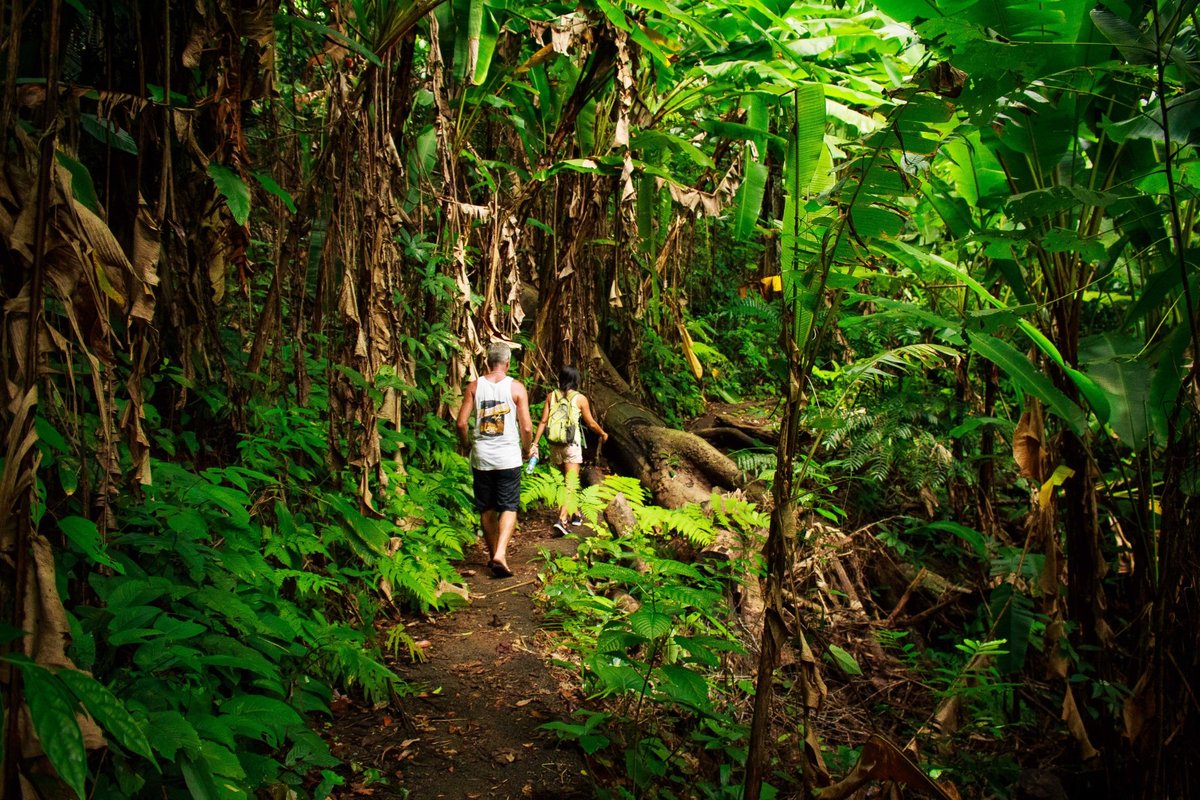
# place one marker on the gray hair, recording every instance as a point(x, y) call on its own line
point(498, 353)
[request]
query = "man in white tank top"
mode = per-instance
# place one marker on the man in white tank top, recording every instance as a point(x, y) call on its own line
point(503, 430)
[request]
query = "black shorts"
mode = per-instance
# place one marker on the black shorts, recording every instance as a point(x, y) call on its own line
point(497, 489)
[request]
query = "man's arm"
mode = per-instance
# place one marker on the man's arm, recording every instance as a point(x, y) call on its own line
point(521, 400)
point(464, 416)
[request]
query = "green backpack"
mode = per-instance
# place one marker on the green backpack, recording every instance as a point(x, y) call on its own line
point(563, 426)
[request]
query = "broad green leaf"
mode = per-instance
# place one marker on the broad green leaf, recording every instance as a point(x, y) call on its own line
point(650, 623)
point(233, 189)
point(977, 422)
point(808, 136)
point(260, 717)
point(615, 572)
point(1115, 364)
point(871, 222)
point(1013, 617)
point(224, 765)
point(104, 707)
point(82, 187)
point(171, 733)
point(686, 686)
point(616, 640)
point(268, 183)
point(618, 678)
point(738, 130)
point(1028, 378)
point(749, 198)
point(475, 13)
point(84, 534)
point(645, 202)
point(489, 35)
point(1160, 286)
point(1168, 379)
point(426, 150)
point(199, 778)
point(232, 501)
point(972, 537)
point(54, 722)
point(677, 144)
point(107, 131)
point(49, 434)
point(844, 660)
point(614, 14)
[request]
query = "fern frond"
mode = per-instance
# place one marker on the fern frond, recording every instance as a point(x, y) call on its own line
point(397, 637)
point(544, 486)
point(754, 462)
point(308, 584)
point(415, 579)
point(753, 307)
point(901, 359)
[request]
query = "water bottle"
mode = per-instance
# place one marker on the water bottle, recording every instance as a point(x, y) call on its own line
point(533, 459)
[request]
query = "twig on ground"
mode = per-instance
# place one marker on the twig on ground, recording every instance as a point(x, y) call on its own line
point(508, 588)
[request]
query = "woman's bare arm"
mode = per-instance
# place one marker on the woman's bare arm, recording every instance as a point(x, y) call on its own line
point(537, 437)
point(585, 412)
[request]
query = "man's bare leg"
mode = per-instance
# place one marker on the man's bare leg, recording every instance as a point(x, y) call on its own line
point(490, 531)
point(507, 524)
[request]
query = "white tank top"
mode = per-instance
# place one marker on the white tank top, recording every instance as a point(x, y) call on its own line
point(497, 440)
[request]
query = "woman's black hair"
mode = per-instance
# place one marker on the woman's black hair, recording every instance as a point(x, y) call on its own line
point(568, 378)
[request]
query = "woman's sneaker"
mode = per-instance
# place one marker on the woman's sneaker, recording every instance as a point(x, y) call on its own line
point(559, 529)
point(577, 520)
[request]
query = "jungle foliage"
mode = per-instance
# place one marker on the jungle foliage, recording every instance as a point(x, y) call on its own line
point(252, 249)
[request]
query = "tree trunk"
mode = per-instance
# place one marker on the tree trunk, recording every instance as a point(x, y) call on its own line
point(675, 466)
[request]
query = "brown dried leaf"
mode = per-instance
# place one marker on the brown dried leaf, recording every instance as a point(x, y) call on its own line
point(1027, 442)
point(1071, 716)
point(880, 760)
point(1139, 707)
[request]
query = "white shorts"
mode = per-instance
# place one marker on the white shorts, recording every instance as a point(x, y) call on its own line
point(565, 454)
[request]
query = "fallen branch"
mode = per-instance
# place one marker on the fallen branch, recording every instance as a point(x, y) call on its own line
point(508, 588)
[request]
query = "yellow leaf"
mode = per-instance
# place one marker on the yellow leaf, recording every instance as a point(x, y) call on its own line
point(689, 353)
point(1061, 473)
point(105, 284)
point(537, 58)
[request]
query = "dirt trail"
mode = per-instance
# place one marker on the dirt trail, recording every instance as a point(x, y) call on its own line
point(486, 686)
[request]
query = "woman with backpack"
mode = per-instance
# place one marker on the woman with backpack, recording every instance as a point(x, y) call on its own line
point(564, 410)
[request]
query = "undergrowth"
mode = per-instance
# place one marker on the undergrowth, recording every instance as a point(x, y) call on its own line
point(225, 604)
point(655, 642)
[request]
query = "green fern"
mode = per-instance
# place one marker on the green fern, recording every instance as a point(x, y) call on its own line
point(415, 578)
point(889, 446)
point(545, 487)
point(308, 584)
point(690, 521)
point(889, 363)
point(398, 637)
point(752, 307)
point(738, 514)
point(347, 661)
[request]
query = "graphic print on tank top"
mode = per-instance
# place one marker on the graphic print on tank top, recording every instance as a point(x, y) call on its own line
point(491, 417)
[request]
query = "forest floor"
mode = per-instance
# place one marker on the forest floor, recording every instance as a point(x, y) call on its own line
point(486, 684)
